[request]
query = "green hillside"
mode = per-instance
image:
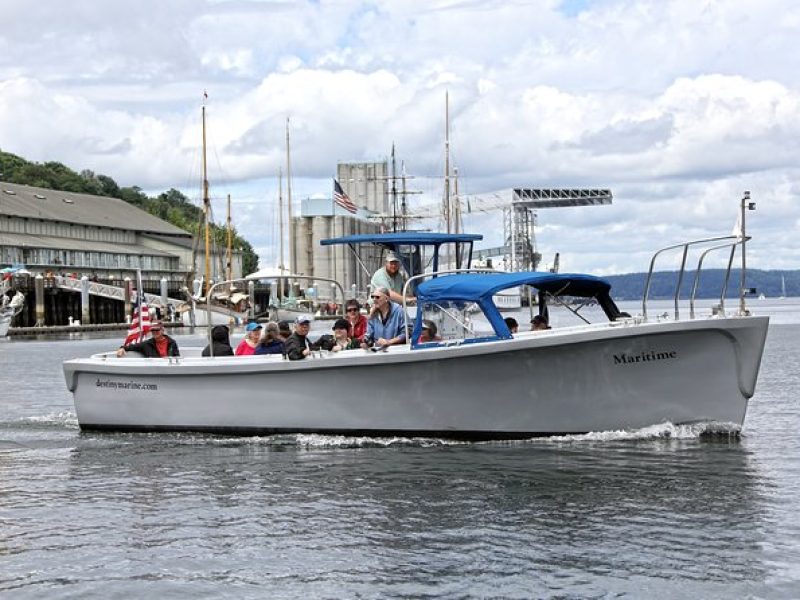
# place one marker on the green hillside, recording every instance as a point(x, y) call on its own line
point(171, 206)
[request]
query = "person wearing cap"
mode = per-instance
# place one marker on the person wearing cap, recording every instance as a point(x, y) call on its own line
point(357, 321)
point(386, 325)
point(220, 342)
point(341, 336)
point(252, 337)
point(429, 332)
point(389, 277)
point(539, 323)
point(297, 345)
point(271, 341)
point(159, 345)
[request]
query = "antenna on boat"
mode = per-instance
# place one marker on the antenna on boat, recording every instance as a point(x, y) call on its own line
point(745, 206)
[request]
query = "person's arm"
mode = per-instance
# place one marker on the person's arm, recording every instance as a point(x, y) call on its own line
point(122, 350)
point(172, 348)
point(295, 350)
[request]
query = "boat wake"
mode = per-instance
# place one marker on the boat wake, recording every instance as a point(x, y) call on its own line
point(661, 431)
point(59, 420)
point(665, 431)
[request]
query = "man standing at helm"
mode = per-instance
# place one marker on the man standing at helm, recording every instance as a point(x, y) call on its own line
point(389, 277)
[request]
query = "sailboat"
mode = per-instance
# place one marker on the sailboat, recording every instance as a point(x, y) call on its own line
point(783, 287)
point(229, 308)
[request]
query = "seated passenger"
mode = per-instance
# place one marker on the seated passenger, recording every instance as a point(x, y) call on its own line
point(251, 339)
point(429, 333)
point(297, 345)
point(539, 323)
point(220, 342)
point(512, 324)
point(271, 342)
point(358, 322)
point(341, 337)
point(159, 345)
point(386, 325)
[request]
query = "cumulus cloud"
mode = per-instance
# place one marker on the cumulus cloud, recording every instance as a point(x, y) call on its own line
point(677, 106)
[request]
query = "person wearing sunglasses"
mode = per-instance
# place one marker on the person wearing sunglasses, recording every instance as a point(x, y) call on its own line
point(386, 325)
point(358, 322)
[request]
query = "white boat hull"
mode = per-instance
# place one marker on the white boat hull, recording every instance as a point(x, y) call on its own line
point(219, 316)
point(559, 382)
point(508, 300)
point(5, 324)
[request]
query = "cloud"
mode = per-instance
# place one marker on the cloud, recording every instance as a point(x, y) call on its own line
point(677, 106)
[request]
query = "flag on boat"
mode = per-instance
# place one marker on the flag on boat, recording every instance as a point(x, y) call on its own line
point(140, 324)
point(343, 199)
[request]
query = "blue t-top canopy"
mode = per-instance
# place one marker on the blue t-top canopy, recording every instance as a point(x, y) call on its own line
point(469, 287)
point(421, 238)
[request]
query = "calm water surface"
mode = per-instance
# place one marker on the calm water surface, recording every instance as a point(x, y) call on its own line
point(662, 510)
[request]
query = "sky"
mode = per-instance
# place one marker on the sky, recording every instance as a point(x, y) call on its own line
point(677, 106)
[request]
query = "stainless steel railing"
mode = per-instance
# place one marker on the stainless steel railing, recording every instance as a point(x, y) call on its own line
point(732, 242)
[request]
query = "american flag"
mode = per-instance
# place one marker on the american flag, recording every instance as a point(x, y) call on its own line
point(140, 324)
point(343, 199)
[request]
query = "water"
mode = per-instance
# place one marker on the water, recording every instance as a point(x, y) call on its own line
point(663, 510)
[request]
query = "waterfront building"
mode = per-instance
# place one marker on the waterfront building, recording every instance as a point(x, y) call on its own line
point(54, 232)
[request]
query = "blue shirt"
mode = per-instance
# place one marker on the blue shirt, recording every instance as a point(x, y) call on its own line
point(391, 327)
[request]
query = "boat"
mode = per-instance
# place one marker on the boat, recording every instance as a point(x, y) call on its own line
point(10, 310)
point(625, 372)
point(783, 287)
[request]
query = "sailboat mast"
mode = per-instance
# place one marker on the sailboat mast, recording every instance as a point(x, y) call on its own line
point(280, 232)
point(394, 191)
point(230, 242)
point(292, 266)
point(447, 162)
point(206, 210)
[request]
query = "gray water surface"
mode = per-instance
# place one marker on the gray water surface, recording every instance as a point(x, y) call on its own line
point(661, 511)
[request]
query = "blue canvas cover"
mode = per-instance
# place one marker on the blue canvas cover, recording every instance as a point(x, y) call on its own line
point(480, 287)
point(421, 238)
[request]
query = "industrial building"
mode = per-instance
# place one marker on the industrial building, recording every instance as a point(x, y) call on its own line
point(365, 183)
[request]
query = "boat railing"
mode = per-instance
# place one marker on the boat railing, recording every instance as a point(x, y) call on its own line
point(230, 282)
point(730, 241)
point(421, 276)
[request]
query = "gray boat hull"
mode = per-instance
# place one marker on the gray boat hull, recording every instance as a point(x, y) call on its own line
point(617, 376)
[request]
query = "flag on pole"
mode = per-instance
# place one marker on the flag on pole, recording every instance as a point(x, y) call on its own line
point(343, 199)
point(140, 323)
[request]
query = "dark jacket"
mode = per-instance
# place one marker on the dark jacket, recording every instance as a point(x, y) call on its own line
point(221, 342)
point(148, 348)
point(271, 347)
point(295, 344)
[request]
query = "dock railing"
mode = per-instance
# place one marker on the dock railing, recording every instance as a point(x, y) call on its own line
point(730, 241)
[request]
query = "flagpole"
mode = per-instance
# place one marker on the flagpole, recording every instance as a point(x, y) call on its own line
point(139, 297)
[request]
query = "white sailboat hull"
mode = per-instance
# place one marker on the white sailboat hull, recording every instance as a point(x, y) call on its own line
point(5, 322)
point(557, 382)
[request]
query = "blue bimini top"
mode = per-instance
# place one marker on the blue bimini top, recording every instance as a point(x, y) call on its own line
point(480, 287)
point(411, 238)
